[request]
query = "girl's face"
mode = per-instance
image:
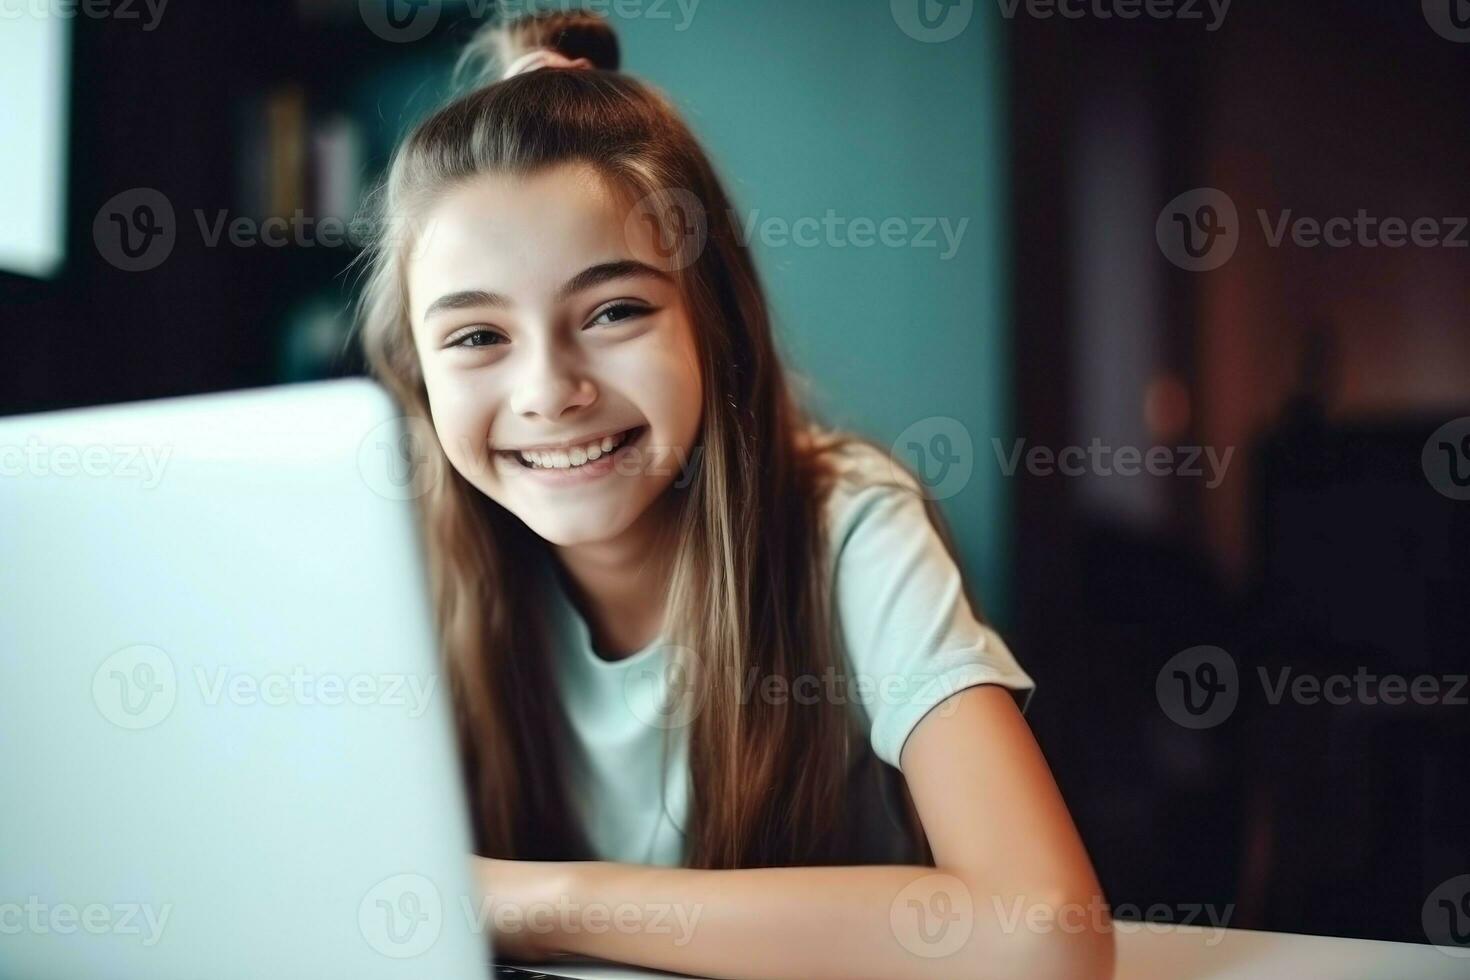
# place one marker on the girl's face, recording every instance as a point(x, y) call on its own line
point(548, 336)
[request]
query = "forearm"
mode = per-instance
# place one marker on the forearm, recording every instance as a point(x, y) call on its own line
point(847, 923)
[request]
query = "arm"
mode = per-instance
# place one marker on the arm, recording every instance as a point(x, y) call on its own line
point(1014, 894)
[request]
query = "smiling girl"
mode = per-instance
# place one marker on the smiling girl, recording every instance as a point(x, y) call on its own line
point(711, 662)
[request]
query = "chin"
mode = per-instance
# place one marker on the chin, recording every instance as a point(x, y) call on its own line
point(576, 526)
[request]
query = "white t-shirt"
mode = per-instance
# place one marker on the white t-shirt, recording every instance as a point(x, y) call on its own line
point(910, 640)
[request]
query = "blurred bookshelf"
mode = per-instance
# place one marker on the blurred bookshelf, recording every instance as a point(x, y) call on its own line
point(312, 140)
point(238, 114)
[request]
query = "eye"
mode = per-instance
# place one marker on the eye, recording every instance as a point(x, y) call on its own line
point(620, 312)
point(478, 338)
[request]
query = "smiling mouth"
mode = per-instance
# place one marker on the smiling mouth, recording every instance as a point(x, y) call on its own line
point(573, 457)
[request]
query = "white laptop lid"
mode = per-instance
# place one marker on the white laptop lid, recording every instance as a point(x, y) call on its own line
point(225, 750)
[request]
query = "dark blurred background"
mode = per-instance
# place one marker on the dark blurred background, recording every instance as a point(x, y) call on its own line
point(1336, 540)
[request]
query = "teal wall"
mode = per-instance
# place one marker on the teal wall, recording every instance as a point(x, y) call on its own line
point(810, 105)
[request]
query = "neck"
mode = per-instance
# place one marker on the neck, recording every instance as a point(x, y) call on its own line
point(620, 585)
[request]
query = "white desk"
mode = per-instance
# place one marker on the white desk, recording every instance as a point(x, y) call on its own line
point(1242, 954)
point(1157, 952)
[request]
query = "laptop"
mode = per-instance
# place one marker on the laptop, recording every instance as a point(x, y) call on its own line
point(225, 744)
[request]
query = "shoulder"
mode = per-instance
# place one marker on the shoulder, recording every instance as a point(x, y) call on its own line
point(865, 487)
point(910, 635)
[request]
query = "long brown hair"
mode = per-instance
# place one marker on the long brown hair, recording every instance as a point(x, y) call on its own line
point(749, 588)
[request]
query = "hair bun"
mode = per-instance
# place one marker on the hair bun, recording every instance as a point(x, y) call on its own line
point(573, 34)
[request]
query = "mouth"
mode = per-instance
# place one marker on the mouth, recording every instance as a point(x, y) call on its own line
point(574, 458)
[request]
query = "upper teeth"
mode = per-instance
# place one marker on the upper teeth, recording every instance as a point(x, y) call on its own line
point(562, 459)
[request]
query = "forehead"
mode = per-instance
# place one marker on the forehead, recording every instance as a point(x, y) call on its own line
point(520, 235)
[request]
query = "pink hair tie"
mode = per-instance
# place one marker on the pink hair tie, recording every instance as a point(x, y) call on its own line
point(543, 58)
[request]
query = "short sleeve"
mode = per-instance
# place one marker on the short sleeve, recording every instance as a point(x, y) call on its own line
point(910, 635)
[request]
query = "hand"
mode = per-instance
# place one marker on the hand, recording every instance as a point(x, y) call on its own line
point(518, 905)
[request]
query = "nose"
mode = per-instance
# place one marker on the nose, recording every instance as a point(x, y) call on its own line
point(549, 385)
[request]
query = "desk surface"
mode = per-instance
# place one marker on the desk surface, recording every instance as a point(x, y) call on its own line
point(1242, 954)
point(1157, 952)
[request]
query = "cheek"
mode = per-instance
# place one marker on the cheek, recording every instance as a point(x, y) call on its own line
point(663, 380)
point(462, 412)
point(690, 405)
point(691, 388)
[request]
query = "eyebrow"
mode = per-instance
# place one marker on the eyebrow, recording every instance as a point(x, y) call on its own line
point(591, 276)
